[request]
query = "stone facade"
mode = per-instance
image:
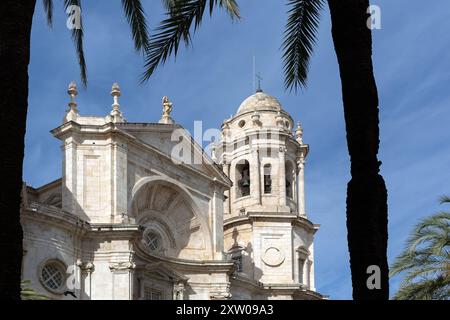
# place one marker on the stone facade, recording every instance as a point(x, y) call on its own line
point(132, 219)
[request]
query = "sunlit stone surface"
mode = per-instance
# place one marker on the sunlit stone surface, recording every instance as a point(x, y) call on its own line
point(126, 221)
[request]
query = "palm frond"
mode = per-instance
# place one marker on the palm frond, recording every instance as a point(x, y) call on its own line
point(172, 5)
point(48, 8)
point(426, 260)
point(182, 16)
point(26, 293)
point(135, 15)
point(230, 6)
point(77, 37)
point(299, 40)
point(430, 289)
point(445, 199)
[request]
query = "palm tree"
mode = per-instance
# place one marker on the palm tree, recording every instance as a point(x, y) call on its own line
point(15, 25)
point(366, 195)
point(26, 293)
point(16, 20)
point(367, 212)
point(426, 260)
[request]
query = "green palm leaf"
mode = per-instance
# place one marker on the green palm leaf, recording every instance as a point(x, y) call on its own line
point(77, 37)
point(426, 260)
point(182, 15)
point(48, 8)
point(445, 199)
point(299, 40)
point(27, 293)
point(135, 15)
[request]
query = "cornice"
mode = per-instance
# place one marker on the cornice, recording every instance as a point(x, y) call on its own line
point(194, 265)
point(250, 217)
point(59, 218)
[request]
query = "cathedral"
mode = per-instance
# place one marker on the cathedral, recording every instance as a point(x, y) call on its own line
point(143, 212)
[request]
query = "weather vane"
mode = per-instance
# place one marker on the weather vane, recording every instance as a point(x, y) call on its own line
point(259, 79)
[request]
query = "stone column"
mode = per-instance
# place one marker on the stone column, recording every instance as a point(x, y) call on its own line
point(312, 283)
point(119, 182)
point(295, 188)
point(282, 175)
point(122, 280)
point(301, 186)
point(227, 202)
point(308, 274)
point(70, 172)
point(86, 270)
point(255, 176)
point(232, 169)
point(217, 220)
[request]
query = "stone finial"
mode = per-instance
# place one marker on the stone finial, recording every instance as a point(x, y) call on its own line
point(299, 133)
point(167, 110)
point(115, 93)
point(213, 152)
point(226, 131)
point(116, 115)
point(73, 92)
point(72, 112)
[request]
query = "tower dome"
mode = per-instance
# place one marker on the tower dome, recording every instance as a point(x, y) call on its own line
point(258, 102)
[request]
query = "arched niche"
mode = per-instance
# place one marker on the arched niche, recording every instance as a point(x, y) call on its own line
point(242, 178)
point(168, 209)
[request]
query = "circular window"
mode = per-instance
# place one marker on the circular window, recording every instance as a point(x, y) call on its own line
point(241, 124)
point(153, 241)
point(53, 276)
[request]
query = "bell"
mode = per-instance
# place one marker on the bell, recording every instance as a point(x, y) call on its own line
point(245, 182)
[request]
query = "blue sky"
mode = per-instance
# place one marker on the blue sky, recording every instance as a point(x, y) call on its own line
point(209, 79)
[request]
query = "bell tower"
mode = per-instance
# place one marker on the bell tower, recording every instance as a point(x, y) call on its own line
point(266, 228)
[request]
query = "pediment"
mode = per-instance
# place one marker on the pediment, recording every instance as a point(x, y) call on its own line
point(177, 145)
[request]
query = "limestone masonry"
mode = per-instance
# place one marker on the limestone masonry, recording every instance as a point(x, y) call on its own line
point(132, 219)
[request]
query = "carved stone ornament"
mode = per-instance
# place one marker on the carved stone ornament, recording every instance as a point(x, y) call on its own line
point(88, 267)
point(178, 291)
point(273, 257)
point(221, 293)
point(167, 110)
point(122, 266)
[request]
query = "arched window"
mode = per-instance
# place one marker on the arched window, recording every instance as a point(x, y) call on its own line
point(267, 179)
point(153, 241)
point(289, 179)
point(243, 179)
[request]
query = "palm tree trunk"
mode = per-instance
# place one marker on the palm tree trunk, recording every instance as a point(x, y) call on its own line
point(366, 194)
point(15, 30)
